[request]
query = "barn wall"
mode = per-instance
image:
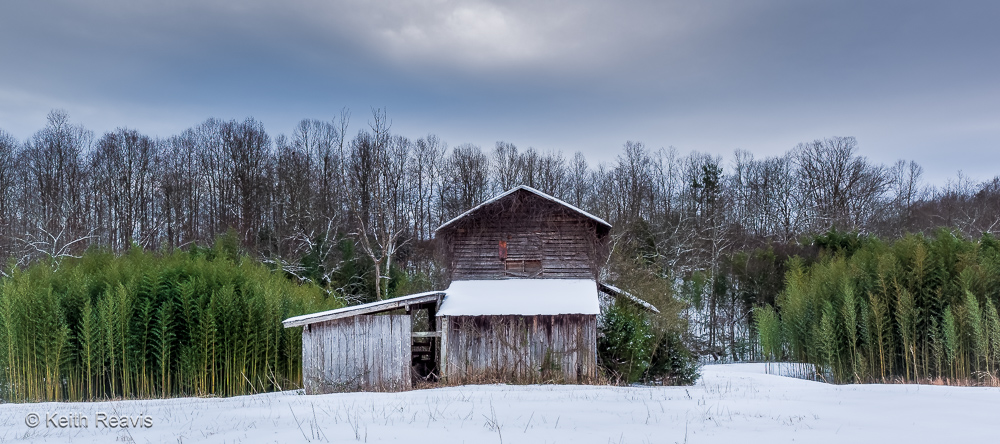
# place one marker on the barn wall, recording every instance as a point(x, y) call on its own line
point(521, 349)
point(360, 353)
point(534, 229)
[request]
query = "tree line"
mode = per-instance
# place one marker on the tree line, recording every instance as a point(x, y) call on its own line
point(352, 207)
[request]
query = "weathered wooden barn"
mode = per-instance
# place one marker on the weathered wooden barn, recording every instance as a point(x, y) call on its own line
point(522, 307)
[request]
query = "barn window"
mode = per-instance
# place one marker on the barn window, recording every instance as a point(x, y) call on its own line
point(515, 266)
point(525, 266)
point(532, 267)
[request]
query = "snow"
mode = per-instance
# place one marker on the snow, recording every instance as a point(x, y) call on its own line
point(360, 307)
point(730, 404)
point(532, 190)
point(520, 297)
point(629, 296)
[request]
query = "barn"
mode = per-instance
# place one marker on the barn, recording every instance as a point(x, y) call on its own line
point(522, 307)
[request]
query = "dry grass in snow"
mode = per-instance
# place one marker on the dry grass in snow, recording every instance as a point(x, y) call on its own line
point(730, 403)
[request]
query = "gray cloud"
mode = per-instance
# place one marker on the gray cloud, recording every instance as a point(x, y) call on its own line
point(908, 79)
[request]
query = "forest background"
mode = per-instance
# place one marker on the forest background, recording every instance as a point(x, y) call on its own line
point(734, 249)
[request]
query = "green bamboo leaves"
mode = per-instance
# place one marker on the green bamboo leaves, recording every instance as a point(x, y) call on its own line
point(769, 328)
point(918, 309)
point(144, 325)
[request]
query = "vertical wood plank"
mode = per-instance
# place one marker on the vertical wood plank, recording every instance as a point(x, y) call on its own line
point(374, 352)
point(520, 349)
point(445, 357)
point(357, 353)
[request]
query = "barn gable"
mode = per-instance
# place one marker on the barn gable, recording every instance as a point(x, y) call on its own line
point(524, 233)
point(526, 189)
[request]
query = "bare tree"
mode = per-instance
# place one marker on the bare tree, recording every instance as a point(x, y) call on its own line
point(323, 145)
point(764, 196)
point(787, 198)
point(425, 173)
point(962, 203)
point(578, 182)
point(632, 183)
point(672, 230)
point(552, 174)
point(666, 182)
point(904, 184)
point(466, 183)
point(308, 200)
point(379, 164)
point(841, 189)
point(181, 190)
point(530, 167)
point(216, 175)
point(303, 235)
point(294, 203)
point(507, 167)
point(248, 150)
point(56, 182)
point(122, 170)
point(8, 192)
point(604, 200)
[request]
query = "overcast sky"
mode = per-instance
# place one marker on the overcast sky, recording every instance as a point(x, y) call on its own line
point(909, 79)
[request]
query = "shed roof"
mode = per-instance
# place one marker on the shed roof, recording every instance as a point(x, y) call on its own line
point(369, 308)
point(520, 297)
point(573, 208)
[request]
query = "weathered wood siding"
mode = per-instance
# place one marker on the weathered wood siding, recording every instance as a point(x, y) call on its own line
point(520, 349)
point(360, 353)
point(535, 229)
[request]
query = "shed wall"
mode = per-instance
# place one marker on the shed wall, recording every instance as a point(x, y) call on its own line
point(520, 349)
point(359, 353)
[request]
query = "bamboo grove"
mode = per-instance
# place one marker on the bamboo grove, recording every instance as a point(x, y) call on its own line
point(921, 308)
point(144, 325)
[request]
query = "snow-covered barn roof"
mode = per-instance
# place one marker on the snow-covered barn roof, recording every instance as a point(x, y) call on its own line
point(520, 297)
point(369, 308)
point(533, 191)
point(492, 297)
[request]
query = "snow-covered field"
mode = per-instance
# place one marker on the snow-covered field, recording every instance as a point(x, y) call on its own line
point(731, 403)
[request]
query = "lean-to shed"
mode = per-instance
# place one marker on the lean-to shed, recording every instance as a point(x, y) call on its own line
point(364, 347)
point(522, 306)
